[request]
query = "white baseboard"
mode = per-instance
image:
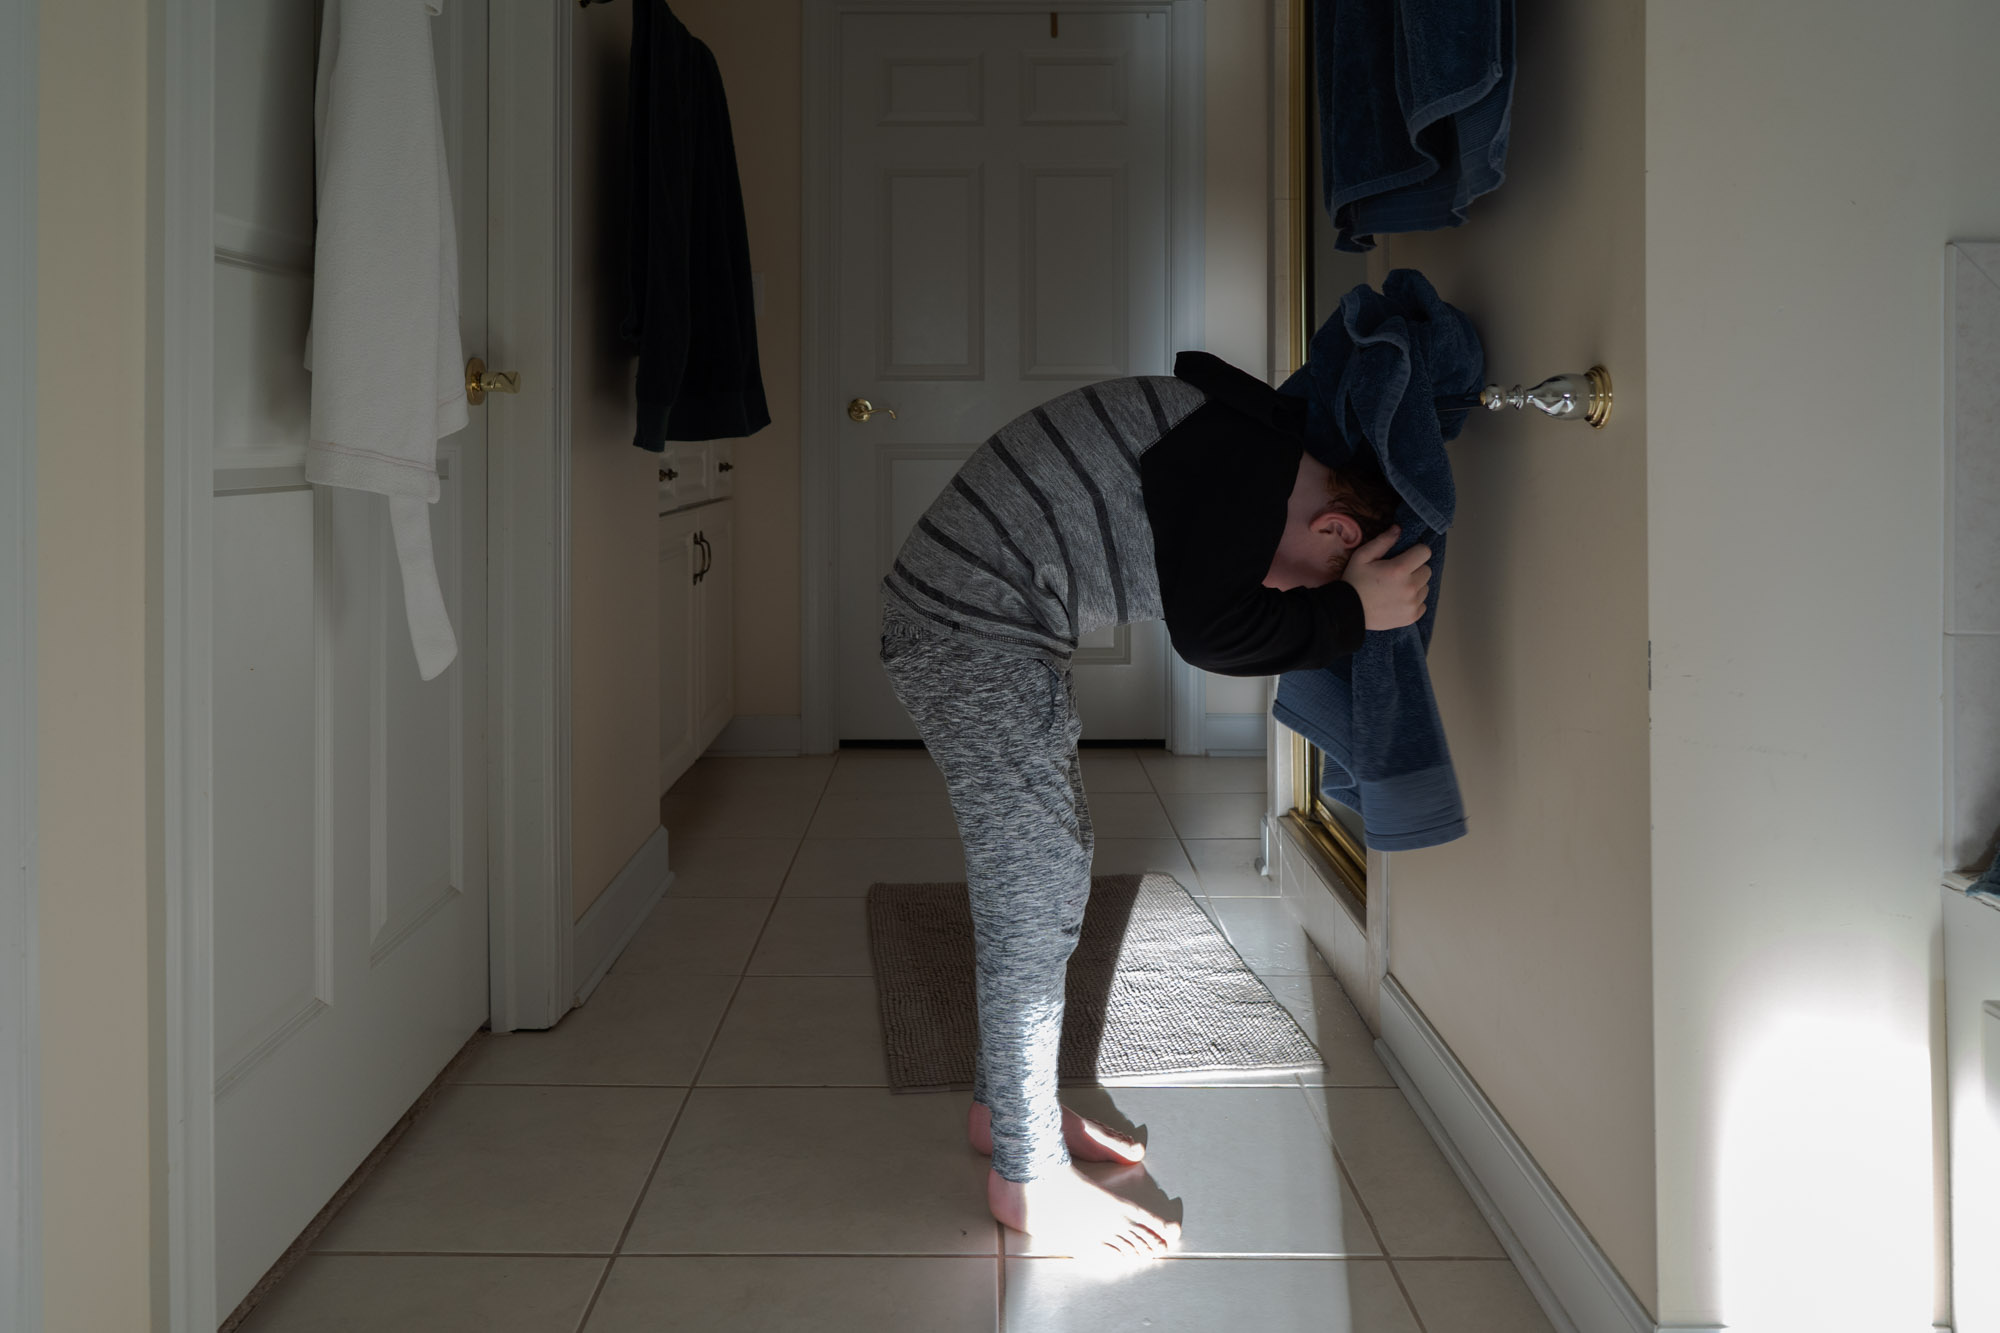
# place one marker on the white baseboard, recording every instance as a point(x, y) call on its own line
point(1577, 1286)
point(1234, 734)
point(759, 734)
point(615, 917)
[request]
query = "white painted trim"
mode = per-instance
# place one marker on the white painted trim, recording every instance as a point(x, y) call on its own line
point(20, 986)
point(528, 448)
point(1574, 1281)
point(759, 734)
point(1187, 706)
point(619, 911)
point(820, 248)
point(1233, 735)
point(183, 60)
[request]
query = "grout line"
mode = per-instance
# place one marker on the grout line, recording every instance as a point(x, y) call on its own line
point(1212, 1256)
point(1367, 1213)
point(673, 1254)
point(999, 1277)
point(694, 1079)
point(1177, 1257)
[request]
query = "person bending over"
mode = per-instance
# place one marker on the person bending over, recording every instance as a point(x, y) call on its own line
point(1191, 498)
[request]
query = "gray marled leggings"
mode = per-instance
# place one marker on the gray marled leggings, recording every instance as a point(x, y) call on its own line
point(1003, 730)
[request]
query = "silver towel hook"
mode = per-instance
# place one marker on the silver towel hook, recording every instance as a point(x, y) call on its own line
point(1573, 397)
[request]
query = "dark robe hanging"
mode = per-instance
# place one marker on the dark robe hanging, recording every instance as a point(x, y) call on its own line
point(690, 311)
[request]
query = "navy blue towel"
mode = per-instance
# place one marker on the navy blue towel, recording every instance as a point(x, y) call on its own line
point(1376, 371)
point(1987, 886)
point(1414, 100)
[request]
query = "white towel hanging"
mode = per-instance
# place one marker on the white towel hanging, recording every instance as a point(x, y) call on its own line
point(384, 349)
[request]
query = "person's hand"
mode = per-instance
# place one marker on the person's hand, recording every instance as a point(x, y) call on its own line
point(1392, 591)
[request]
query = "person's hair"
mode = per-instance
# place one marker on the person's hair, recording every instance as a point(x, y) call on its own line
point(1364, 495)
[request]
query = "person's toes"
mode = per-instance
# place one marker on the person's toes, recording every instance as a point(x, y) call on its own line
point(1146, 1244)
point(1116, 1146)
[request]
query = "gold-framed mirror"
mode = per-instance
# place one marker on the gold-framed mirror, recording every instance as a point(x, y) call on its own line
point(1315, 275)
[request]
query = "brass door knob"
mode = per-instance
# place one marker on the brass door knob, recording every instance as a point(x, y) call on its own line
point(861, 409)
point(479, 381)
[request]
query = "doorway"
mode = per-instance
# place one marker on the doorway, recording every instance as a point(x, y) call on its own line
point(1004, 205)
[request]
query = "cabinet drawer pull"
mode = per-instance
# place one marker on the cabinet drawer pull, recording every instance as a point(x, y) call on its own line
point(668, 474)
point(725, 467)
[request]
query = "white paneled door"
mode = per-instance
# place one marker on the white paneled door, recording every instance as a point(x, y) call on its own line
point(350, 869)
point(1001, 196)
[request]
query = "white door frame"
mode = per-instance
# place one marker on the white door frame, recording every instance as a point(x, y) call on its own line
point(820, 394)
point(528, 511)
point(20, 1084)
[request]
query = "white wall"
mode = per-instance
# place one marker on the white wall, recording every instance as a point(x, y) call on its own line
point(1805, 164)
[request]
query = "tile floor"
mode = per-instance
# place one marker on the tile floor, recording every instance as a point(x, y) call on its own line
point(708, 1144)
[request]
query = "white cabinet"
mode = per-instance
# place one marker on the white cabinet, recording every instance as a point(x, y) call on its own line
point(692, 474)
point(679, 559)
point(697, 632)
point(715, 635)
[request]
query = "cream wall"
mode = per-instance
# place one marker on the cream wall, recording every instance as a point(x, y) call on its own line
point(1527, 943)
point(757, 43)
point(1237, 224)
point(97, 822)
point(1806, 164)
point(614, 494)
point(614, 551)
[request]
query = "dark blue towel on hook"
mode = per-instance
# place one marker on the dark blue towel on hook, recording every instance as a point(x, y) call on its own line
point(1415, 99)
point(1376, 370)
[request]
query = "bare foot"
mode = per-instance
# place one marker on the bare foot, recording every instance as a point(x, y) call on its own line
point(1068, 1211)
point(1088, 1141)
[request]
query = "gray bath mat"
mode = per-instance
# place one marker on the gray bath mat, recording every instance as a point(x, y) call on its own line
point(1154, 988)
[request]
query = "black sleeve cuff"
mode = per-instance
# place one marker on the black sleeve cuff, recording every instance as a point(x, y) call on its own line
point(1340, 607)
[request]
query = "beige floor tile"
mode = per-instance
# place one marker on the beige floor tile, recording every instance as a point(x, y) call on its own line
point(1107, 771)
point(728, 867)
point(1205, 1295)
point(1227, 867)
point(1472, 1296)
point(817, 1171)
point(800, 1032)
point(713, 936)
point(845, 867)
point(1191, 773)
point(1267, 936)
point(648, 1029)
point(884, 815)
point(815, 937)
point(738, 775)
point(758, 1294)
point(1144, 856)
point(1244, 1171)
point(1346, 1046)
point(781, 812)
point(509, 1170)
point(1419, 1207)
point(341, 1293)
point(884, 772)
point(1133, 814)
point(1216, 814)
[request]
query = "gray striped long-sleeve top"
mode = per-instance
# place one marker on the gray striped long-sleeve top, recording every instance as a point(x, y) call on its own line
point(1043, 536)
